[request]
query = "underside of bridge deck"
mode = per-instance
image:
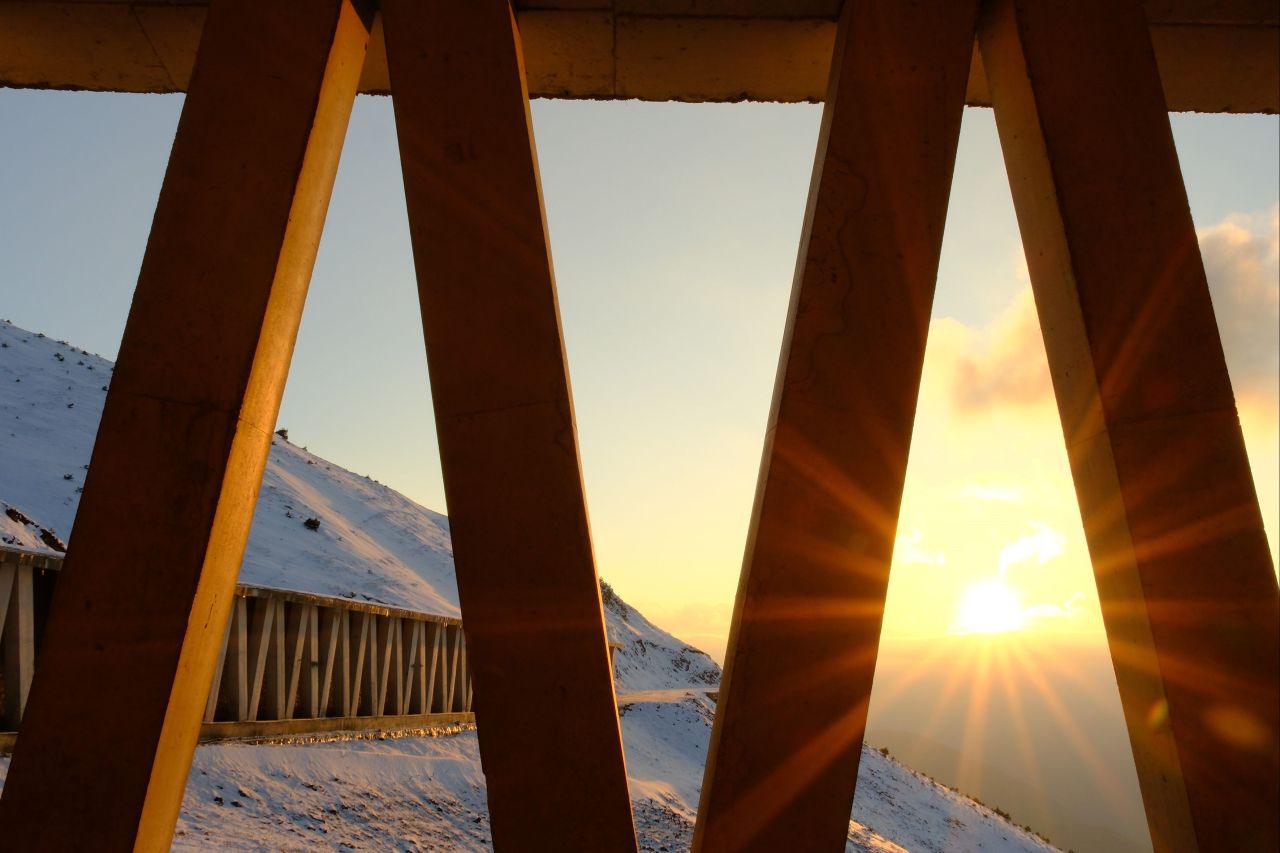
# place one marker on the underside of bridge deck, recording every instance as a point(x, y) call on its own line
point(1213, 55)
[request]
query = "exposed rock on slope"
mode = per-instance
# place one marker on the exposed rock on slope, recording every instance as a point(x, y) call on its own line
point(649, 657)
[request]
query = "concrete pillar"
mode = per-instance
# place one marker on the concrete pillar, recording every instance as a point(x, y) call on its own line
point(784, 752)
point(508, 446)
point(1184, 574)
point(140, 609)
point(17, 625)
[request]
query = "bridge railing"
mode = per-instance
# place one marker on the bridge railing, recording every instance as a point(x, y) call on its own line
point(290, 662)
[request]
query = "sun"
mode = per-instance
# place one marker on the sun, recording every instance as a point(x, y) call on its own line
point(988, 607)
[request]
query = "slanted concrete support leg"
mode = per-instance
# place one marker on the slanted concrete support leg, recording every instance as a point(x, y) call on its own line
point(526, 573)
point(1184, 574)
point(141, 606)
point(784, 752)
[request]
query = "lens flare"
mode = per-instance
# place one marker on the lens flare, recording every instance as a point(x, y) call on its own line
point(988, 607)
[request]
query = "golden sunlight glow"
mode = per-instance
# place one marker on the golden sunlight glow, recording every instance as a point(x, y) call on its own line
point(988, 607)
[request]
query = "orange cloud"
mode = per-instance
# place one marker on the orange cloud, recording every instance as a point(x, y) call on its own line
point(1242, 260)
point(1004, 363)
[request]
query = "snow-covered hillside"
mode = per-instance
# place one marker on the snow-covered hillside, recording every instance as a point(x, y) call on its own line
point(666, 740)
point(427, 793)
point(406, 793)
point(372, 542)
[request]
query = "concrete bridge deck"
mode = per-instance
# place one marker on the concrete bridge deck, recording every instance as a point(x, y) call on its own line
point(1213, 55)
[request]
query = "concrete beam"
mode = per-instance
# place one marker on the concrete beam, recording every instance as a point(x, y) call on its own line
point(139, 614)
point(783, 760)
point(1213, 55)
point(1184, 573)
point(526, 573)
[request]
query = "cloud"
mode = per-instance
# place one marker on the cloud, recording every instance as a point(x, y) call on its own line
point(995, 494)
point(1042, 546)
point(1004, 364)
point(1066, 610)
point(1242, 261)
point(907, 549)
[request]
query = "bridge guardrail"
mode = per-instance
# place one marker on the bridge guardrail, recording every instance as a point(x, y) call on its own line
point(291, 661)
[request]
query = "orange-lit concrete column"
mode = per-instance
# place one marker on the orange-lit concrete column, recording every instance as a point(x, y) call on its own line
point(137, 622)
point(1184, 574)
point(784, 751)
point(526, 573)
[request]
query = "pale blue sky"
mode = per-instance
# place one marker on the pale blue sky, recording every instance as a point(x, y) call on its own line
point(674, 230)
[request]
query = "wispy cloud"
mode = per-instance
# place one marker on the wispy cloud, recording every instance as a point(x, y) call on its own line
point(995, 494)
point(1066, 610)
point(908, 549)
point(1041, 546)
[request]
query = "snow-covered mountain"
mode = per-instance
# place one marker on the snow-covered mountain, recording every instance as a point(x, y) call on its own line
point(356, 795)
point(372, 543)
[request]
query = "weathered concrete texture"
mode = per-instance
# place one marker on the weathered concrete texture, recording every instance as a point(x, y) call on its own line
point(783, 760)
point(1184, 573)
point(137, 620)
point(508, 447)
point(1214, 55)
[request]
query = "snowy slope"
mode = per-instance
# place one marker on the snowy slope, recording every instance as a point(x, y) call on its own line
point(372, 542)
point(51, 398)
point(650, 658)
point(427, 793)
point(411, 793)
point(371, 538)
point(666, 745)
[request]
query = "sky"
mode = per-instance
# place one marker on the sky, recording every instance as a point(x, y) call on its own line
point(674, 231)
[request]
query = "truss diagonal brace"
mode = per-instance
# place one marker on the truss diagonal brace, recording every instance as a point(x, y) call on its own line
point(142, 604)
point(508, 446)
point(1184, 572)
point(787, 737)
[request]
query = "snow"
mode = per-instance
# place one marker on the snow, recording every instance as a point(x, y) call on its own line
point(650, 658)
point(372, 543)
point(51, 398)
point(427, 793)
point(413, 792)
point(666, 743)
